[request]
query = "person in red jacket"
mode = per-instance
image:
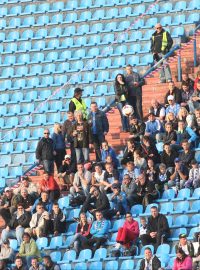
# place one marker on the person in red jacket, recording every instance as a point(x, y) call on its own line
point(128, 233)
point(50, 185)
point(182, 261)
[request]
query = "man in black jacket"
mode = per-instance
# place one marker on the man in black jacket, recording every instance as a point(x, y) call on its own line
point(99, 128)
point(97, 201)
point(45, 152)
point(57, 220)
point(150, 261)
point(161, 43)
point(137, 129)
point(157, 229)
point(49, 264)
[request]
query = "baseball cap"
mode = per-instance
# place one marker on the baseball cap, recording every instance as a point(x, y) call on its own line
point(177, 160)
point(67, 157)
point(182, 235)
point(78, 90)
point(7, 189)
point(170, 97)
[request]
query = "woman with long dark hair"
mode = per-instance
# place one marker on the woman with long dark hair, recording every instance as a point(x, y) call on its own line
point(182, 261)
point(121, 92)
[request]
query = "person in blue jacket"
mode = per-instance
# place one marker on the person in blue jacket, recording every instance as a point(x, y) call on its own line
point(44, 199)
point(109, 151)
point(99, 231)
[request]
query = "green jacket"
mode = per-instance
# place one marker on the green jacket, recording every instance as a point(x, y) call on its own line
point(32, 249)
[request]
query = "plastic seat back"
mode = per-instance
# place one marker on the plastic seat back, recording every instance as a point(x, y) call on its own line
point(69, 255)
point(127, 265)
point(111, 265)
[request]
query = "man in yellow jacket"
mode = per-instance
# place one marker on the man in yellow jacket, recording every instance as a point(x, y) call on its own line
point(77, 103)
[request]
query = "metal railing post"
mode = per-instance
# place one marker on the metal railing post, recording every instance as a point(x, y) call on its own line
point(179, 68)
point(195, 52)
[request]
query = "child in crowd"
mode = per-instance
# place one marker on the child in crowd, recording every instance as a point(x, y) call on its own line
point(163, 176)
point(194, 175)
point(143, 226)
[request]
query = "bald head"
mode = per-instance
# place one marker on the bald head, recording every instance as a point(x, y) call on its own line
point(158, 27)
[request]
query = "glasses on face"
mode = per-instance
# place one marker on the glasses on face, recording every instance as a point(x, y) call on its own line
point(158, 27)
point(46, 133)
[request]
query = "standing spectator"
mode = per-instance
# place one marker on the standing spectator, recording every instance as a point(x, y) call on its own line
point(194, 176)
point(161, 43)
point(179, 175)
point(49, 184)
point(187, 80)
point(46, 202)
point(121, 94)
point(81, 133)
point(153, 127)
point(172, 107)
point(175, 92)
point(157, 109)
point(18, 222)
point(128, 187)
point(99, 125)
point(82, 179)
point(182, 261)
point(82, 234)
point(197, 79)
point(59, 145)
point(49, 264)
point(129, 233)
point(45, 152)
point(98, 177)
point(28, 249)
point(194, 102)
point(137, 129)
point(99, 231)
point(6, 253)
point(187, 155)
point(134, 85)
point(186, 245)
point(150, 261)
point(66, 131)
point(109, 151)
point(77, 103)
point(57, 220)
point(39, 224)
point(35, 265)
point(19, 265)
point(157, 229)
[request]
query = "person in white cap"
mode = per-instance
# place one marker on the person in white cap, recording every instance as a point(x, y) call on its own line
point(173, 107)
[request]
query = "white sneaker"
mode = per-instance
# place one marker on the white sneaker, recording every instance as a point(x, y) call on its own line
point(118, 245)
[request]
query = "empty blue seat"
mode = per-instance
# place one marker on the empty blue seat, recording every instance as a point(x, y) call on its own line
point(39, 119)
point(195, 195)
point(102, 76)
point(84, 255)
point(110, 27)
point(146, 60)
point(57, 6)
point(13, 109)
point(183, 194)
point(35, 70)
point(55, 105)
point(154, 9)
point(67, 43)
point(180, 221)
point(136, 35)
point(20, 148)
point(166, 208)
point(25, 47)
point(28, 21)
point(11, 48)
point(79, 54)
point(71, 5)
point(19, 84)
point(96, 28)
point(93, 52)
point(108, 38)
point(9, 60)
point(30, 96)
point(42, 20)
point(56, 19)
point(5, 85)
point(71, 229)
point(23, 134)
point(111, 13)
point(80, 266)
point(6, 148)
point(85, 16)
point(33, 82)
point(18, 159)
point(138, 10)
point(194, 4)
point(11, 122)
point(53, 44)
point(53, 118)
point(82, 29)
point(37, 58)
point(41, 33)
point(66, 55)
point(3, 11)
point(98, 14)
point(68, 256)
point(14, 172)
point(49, 68)
point(117, 224)
point(167, 195)
point(95, 265)
point(37, 133)
point(100, 254)
point(194, 221)
point(62, 67)
point(55, 256)
point(133, 60)
point(137, 209)
point(111, 265)
point(125, 12)
point(134, 48)
point(32, 147)
point(179, 6)
point(148, 209)
point(15, 10)
point(23, 59)
point(73, 213)
point(42, 8)
point(192, 18)
point(127, 265)
point(42, 242)
point(178, 19)
point(51, 57)
point(7, 72)
point(192, 232)
point(166, 20)
point(3, 110)
point(195, 207)
point(65, 266)
point(60, 80)
point(178, 32)
point(181, 207)
point(27, 34)
point(29, 9)
point(55, 243)
point(151, 22)
point(85, 4)
point(3, 173)
point(71, 17)
point(13, 23)
point(100, 90)
point(4, 98)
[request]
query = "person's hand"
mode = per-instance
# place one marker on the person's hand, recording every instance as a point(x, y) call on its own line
point(92, 210)
point(173, 142)
point(54, 153)
point(77, 189)
point(152, 234)
point(92, 190)
point(74, 133)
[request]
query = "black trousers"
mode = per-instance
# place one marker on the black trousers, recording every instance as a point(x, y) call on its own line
point(146, 239)
point(136, 103)
point(97, 141)
point(95, 242)
point(107, 213)
point(60, 154)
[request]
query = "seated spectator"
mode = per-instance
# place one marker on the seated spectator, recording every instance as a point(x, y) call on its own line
point(182, 260)
point(173, 106)
point(151, 171)
point(197, 79)
point(59, 145)
point(99, 231)
point(169, 135)
point(185, 133)
point(66, 172)
point(23, 198)
point(157, 229)
point(139, 160)
point(28, 185)
point(179, 175)
point(19, 265)
point(119, 201)
point(186, 117)
point(157, 109)
point(171, 118)
point(173, 91)
point(6, 253)
point(44, 199)
point(96, 201)
point(163, 176)
point(5, 204)
point(187, 155)
point(98, 176)
point(109, 160)
point(187, 80)
point(150, 261)
point(49, 264)
point(196, 122)
point(137, 129)
point(149, 150)
point(128, 187)
point(186, 93)
point(143, 226)
point(28, 249)
point(108, 151)
point(131, 170)
point(146, 192)
point(186, 245)
point(3, 265)
point(194, 176)
point(128, 234)
point(194, 102)
point(153, 127)
point(50, 185)
point(111, 176)
point(82, 234)
point(82, 179)
point(35, 265)
point(57, 220)
point(18, 222)
point(39, 224)
point(168, 156)
point(129, 151)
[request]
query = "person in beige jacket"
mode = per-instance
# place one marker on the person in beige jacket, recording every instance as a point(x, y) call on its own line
point(39, 224)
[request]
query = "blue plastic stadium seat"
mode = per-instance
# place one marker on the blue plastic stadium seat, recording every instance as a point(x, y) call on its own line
point(3, 173)
point(2, 24)
point(98, 14)
point(23, 59)
point(60, 80)
point(134, 48)
point(66, 55)
point(13, 110)
point(29, 9)
point(80, 41)
point(57, 6)
point(117, 224)
point(28, 21)
point(95, 265)
point(14, 244)
point(154, 9)
point(179, 6)
point(7, 72)
point(23, 134)
point(32, 147)
point(55, 243)
point(183, 194)
point(62, 67)
point(35, 69)
point(49, 69)
point(82, 29)
point(120, 50)
point(181, 207)
point(3, 110)
point(195, 207)
point(100, 254)
point(5, 85)
point(194, 221)
point(136, 209)
point(85, 16)
point(4, 98)
point(125, 12)
point(11, 122)
point(80, 266)
point(146, 60)
point(84, 255)
point(19, 84)
point(167, 195)
point(93, 52)
point(68, 256)
point(67, 43)
point(9, 60)
point(71, 17)
point(25, 47)
point(105, 63)
point(2, 36)
point(53, 118)
point(6, 148)
point(110, 27)
point(178, 19)
point(133, 60)
point(79, 54)
point(30, 96)
point(42, 20)
point(39, 119)
point(56, 19)
point(14, 172)
point(3, 11)
point(9, 136)
point(111, 265)
point(192, 18)
point(27, 108)
point(195, 195)
point(111, 13)
point(42, 242)
point(166, 20)
point(65, 266)
point(194, 4)
point(27, 34)
point(55, 256)
point(43, 8)
point(33, 82)
point(178, 32)
point(37, 134)
point(180, 221)
point(108, 38)
point(146, 48)
point(102, 76)
point(138, 10)
point(37, 58)
point(13, 23)
point(150, 23)
point(85, 4)
point(53, 44)
point(192, 232)
point(51, 56)
point(73, 213)
point(17, 158)
point(15, 10)
point(71, 5)
point(165, 8)
point(127, 265)
point(96, 28)
point(71, 229)
point(41, 33)
point(136, 35)
point(88, 77)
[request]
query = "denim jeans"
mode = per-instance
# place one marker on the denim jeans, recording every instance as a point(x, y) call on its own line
point(80, 152)
point(79, 241)
point(124, 119)
point(48, 166)
point(17, 233)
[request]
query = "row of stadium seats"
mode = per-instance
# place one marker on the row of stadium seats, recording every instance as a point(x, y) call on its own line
point(72, 5)
point(82, 30)
point(98, 15)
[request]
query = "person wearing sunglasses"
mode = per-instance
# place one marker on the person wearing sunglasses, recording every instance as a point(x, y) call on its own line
point(45, 152)
point(161, 43)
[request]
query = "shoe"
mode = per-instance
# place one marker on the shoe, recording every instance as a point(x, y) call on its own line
point(118, 245)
